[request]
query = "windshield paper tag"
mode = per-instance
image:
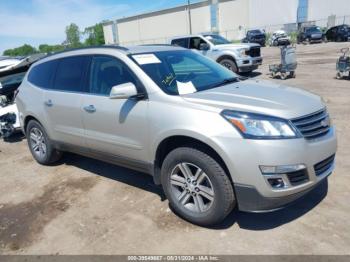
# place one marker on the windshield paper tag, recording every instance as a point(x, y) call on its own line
point(146, 59)
point(185, 88)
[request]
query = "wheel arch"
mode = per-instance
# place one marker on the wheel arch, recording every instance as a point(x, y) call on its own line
point(175, 141)
point(27, 119)
point(226, 56)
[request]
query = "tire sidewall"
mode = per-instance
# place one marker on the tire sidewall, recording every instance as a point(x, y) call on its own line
point(46, 159)
point(234, 67)
point(215, 211)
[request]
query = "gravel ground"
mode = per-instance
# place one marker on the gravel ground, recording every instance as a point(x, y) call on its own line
point(84, 206)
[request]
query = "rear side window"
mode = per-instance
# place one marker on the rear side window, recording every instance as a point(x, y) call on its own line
point(183, 42)
point(70, 74)
point(42, 74)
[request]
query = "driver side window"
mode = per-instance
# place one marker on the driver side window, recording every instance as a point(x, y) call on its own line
point(195, 42)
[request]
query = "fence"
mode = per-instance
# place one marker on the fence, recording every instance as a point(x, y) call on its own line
point(238, 34)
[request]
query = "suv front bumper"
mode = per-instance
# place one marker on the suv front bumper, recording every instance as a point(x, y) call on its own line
point(244, 157)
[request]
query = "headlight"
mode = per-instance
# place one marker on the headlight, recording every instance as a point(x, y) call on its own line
point(256, 126)
point(242, 52)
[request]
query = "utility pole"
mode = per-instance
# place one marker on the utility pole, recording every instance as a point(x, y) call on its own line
point(189, 15)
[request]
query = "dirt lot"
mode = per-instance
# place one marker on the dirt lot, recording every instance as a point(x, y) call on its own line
point(83, 206)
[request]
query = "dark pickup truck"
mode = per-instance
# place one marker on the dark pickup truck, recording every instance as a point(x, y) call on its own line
point(255, 36)
point(310, 34)
point(338, 33)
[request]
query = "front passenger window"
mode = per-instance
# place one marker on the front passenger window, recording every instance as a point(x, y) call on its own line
point(107, 72)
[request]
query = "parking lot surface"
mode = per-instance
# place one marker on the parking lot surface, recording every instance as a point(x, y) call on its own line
point(84, 206)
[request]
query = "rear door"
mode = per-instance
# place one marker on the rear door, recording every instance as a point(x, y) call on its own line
point(63, 101)
point(115, 126)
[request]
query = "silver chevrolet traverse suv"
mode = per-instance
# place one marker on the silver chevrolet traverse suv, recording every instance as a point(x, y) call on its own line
point(212, 141)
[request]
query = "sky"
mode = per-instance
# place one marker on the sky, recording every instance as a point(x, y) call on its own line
point(37, 22)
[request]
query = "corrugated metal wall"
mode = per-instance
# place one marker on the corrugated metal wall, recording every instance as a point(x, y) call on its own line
point(320, 10)
point(233, 17)
point(272, 12)
point(158, 27)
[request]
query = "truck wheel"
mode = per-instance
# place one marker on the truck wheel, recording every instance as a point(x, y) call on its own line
point(229, 64)
point(339, 75)
point(40, 145)
point(197, 187)
point(283, 76)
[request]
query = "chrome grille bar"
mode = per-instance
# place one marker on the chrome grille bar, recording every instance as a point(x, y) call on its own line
point(313, 125)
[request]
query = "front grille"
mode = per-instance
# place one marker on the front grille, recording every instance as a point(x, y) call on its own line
point(298, 177)
point(324, 165)
point(253, 52)
point(314, 125)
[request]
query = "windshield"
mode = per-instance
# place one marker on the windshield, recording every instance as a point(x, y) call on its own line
point(344, 28)
point(217, 39)
point(183, 72)
point(12, 79)
point(255, 32)
point(313, 30)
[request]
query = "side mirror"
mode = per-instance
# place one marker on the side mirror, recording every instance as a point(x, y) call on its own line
point(123, 91)
point(204, 47)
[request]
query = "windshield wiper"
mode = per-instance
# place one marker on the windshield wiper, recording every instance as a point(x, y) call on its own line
point(226, 81)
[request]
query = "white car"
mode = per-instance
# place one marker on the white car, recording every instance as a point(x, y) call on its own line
point(12, 72)
point(239, 58)
point(278, 38)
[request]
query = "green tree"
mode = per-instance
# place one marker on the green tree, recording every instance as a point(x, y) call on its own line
point(94, 35)
point(23, 50)
point(44, 48)
point(73, 36)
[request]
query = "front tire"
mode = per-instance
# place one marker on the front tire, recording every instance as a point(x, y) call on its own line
point(40, 146)
point(197, 187)
point(283, 76)
point(229, 64)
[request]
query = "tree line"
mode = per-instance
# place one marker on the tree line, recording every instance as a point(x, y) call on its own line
point(94, 37)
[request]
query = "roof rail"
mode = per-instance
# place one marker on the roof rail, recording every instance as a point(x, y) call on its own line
point(88, 47)
point(156, 45)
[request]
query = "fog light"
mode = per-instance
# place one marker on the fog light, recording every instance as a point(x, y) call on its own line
point(281, 169)
point(276, 182)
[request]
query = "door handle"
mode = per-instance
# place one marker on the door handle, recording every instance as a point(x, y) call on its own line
point(90, 109)
point(48, 103)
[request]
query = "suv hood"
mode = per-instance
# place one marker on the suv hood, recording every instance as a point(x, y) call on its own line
point(236, 46)
point(259, 96)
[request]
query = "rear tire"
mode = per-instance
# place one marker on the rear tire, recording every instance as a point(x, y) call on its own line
point(197, 187)
point(229, 64)
point(40, 146)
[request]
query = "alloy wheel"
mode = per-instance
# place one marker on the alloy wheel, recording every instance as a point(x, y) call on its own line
point(37, 142)
point(192, 187)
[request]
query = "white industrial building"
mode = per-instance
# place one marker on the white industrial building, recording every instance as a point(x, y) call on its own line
point(231, 18)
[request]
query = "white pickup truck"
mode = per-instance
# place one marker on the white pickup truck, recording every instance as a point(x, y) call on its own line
point(240, 58)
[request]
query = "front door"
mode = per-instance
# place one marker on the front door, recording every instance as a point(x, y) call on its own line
point(115, 126)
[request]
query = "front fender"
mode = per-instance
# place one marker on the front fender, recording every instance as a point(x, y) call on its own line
point(226, 53)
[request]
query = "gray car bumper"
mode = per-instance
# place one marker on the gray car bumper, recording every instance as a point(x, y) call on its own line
point(250, 200)
point(249, 64)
